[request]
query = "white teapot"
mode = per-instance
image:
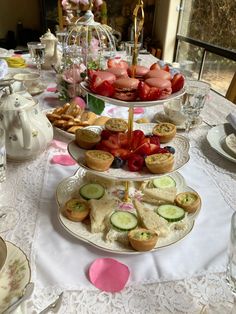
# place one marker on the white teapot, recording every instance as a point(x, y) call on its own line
point(28, 131)
point(52, 54)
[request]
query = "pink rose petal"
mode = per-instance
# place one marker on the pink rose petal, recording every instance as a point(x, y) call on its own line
point(64, 160)
point(139, 110)
point(51, 89)
point(107, 274)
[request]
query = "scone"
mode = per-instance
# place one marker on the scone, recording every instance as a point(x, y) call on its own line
point(98, 159)
point(86, 138)
point(189, 201)
point(165, 130)
point(116, 125)
point(142, 239)
point(76, 210)
point(160, 163)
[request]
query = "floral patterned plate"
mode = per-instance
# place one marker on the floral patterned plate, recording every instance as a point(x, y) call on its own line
point(14, 276)
point(180, 143)
point(68, 188)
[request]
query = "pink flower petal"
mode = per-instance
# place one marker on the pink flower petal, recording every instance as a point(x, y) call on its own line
point(138, 110)
point(51, 89)
point(64, 160)
point(107, 274)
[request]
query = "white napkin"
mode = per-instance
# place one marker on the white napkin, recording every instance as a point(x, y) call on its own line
point(231, 118)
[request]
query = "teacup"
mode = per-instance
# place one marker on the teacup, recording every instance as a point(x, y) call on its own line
point(173, 111)
point(31, 81)
point(3, 253)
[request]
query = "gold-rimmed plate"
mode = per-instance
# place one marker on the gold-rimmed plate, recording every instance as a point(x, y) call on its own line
point(180, 143)
point(69, 188)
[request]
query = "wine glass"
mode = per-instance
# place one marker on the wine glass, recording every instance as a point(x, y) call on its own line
point(38, 53)
point(61, 37)
point(194, 99)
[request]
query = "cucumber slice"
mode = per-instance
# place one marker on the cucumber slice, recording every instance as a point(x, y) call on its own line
point(164, 182)
point(92, 191)
point(124, 221)
point(170, 212)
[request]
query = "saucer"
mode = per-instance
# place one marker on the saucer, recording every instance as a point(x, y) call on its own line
point(38, 89)
point(14, 276)
point(162, 117)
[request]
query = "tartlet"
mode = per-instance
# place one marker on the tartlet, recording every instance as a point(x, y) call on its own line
point(189, 201)
point(76, 210)
point(86, 138)
point(116, 125)
point(165, 130)
point(142, 239)
point(98, 159)
point(160, 163)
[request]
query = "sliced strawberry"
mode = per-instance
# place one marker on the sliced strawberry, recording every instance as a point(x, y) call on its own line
point(162, 151)
point(135, 163)
point(177, 82)
point(120, 152)
point(143, 149)
point(147, 93)
point(105, 89)
point(154, 149)
point(137, 137)
point(117, 63)
point(111, 143)
point(166, 68)
point(105, 134)
point(123, 140)
point(154, 139)
point(101, 146)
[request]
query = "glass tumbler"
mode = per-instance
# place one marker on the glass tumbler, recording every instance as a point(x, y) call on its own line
point(2, 156)
point(231, 266)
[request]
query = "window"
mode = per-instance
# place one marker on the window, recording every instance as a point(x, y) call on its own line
point(206, 38)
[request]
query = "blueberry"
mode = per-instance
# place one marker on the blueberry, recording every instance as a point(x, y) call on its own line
point(117, 163)
point(170, 149)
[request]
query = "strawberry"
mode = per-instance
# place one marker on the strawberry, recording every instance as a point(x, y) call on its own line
point(111, 143)
point(166, 68)
point(123, 139)
point(147, 93)
point(120, 152)
point(177, 82)
point(155, 66)
point(137, 137)
point(154, 139)
point(154, 149)
point(105, 89)
point(105, 134)
point(143, 149)
point(135, 163)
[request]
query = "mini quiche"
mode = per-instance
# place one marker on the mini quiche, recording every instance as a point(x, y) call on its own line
point(189, 201)
point(86, 138)
point(116, 125)
point(76, 210)
point(165, 130)
point(98, 159)
point(160, 163)
point(142, 239)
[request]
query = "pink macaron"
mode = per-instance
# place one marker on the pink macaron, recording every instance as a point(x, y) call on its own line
point(163, 85)
point(158, 73)
point(126, 89)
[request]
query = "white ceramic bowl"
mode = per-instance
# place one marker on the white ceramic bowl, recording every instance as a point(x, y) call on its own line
point(172, 109)
point(3, 253)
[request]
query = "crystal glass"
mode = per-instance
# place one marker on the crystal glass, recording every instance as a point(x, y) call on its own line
point(38, 53)
point(194, 99)
point(31, 51)
point(62, 36)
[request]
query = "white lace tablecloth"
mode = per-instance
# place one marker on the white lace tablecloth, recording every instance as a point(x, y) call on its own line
point(207, 293)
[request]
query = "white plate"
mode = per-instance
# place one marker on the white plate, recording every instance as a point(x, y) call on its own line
point(180, 143)
point(216, 138)
point(69, 187)
point(136, 103)
point(14, 277)
point(162, 117)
